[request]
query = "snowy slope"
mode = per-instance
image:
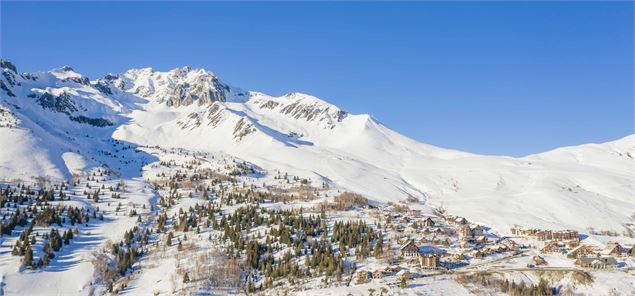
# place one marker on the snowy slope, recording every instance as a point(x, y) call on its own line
point(102, 121)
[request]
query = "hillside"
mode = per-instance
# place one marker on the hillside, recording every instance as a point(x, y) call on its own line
point(64, 120)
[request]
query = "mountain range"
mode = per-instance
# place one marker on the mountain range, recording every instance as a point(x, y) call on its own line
point(59, 122)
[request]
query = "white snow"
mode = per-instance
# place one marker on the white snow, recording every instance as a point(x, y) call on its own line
point(573, 187)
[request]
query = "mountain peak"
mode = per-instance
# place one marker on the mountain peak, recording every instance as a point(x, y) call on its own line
point(67, 73)
point(4, 64)
point(177, 87)
point(67, 69)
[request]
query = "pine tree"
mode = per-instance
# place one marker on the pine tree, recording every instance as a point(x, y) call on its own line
point(28, 256)
point(168, 239)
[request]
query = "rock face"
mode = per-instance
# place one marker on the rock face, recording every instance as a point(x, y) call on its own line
point(7, 65)
point(9, 71)
point(178, 87)
point(61, 103)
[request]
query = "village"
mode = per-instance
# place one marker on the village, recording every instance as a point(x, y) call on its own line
point(285, 234)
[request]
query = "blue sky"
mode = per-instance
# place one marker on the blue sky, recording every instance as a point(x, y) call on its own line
point(490, 77)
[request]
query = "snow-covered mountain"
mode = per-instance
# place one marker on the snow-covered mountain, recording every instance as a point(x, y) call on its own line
point(57, 122)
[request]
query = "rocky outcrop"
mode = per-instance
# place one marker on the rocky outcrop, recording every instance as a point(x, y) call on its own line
point(98, 122)
point(4, 64)
point(62, 103)
point(178, 87)
point(4, 87)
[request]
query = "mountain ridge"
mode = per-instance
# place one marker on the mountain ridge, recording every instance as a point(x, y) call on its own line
point(59, 115)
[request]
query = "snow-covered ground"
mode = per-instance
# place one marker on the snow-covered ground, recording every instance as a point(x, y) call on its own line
point(57, 124)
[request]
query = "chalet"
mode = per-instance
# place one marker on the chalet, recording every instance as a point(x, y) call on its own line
point(511, 245)
point(572, 243)
point(464, 244)
point(613, 249)
point(380, 273)
point(428, 222)
point(480, 239)
point(455, 220)
point(478, 254)
point(582, 251)
point(596, 262)
point(460, 221)
point(429, 261)
point(363, 276)
point(477, 231)
point(465, 231)
point(457, 257)
point(404, 274)
point(469, 234)
point(551, 247)
point(496, 249)
point(409, 249)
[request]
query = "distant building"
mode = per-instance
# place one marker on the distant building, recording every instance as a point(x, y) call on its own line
point(572, 243)
point(563, 235)
point(409, 249)
point(363, 276)
point(428, 222)
point(477, 231)
point(559, 235)
point(511, 245)
point(380, 273)
point(404, 274)
point(429, 261)
point(596, 262)
point(582, 251)
point(470, 234)
point(551, 247)
point(460, 221)
point(613, 249)
point(478, 254)
point(457, 257)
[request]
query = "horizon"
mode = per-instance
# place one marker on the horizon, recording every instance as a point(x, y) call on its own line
point(512, 99)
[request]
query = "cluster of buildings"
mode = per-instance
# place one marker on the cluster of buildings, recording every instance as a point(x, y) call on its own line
point(545, 235)
point(568, 242)
point(446, 242)
point(451, 239)
point(364, 276)
point(591, 257)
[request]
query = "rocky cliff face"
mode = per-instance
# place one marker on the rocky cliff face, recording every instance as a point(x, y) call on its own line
point(178, 87)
